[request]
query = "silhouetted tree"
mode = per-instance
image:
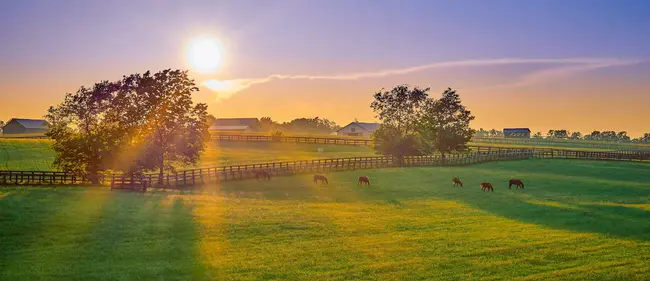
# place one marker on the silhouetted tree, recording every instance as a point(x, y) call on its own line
point(538, 135)
point(168, 129)
point(576, 135)
point(444, 123)
point(314, 125)
point(211, 120)
point(85, 139)
point(142, 122)
point(268, 125)
point(399, 111)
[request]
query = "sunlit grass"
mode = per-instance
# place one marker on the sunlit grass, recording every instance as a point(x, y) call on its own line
point(575, 220)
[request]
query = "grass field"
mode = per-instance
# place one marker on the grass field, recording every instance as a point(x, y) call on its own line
point(575, 220)
point(26, 154)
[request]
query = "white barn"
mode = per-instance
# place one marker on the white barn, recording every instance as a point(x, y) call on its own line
point(358, 129)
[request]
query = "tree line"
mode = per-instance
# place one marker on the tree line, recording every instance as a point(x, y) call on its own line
point(620, 136)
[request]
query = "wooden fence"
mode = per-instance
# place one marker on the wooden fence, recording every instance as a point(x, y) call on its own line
point(295, 139)
point(194, 177)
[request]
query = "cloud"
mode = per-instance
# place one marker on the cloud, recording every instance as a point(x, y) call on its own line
point(563, 66)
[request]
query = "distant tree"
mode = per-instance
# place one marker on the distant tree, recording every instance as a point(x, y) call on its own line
point(314, 125)
point(622, 136)
point(643, 139)
point(268, 125)
point(444, 123)
point(481, 133)
point(399, 111)
point(168, 129)
point(576, 135)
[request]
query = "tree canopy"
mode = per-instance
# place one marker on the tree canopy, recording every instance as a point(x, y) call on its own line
point(415, 124)
point(142, 122)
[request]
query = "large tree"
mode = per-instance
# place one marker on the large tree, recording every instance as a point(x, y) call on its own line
point(444, 123)
point(399, 111)
point(141, 123)
point(169, 130)
point(84, 141)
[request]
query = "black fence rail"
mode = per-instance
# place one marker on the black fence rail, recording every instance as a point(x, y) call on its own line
point(199, 177)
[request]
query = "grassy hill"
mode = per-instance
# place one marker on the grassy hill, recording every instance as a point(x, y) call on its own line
point(575, 220)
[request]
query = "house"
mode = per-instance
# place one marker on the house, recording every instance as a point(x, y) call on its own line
point(236, 125)
point(358, 129)
point(516, 133)
point(25, 126)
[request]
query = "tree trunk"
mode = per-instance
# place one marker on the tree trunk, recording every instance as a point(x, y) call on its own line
point(442, 158)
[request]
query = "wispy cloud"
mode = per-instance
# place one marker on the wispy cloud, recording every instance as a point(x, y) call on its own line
point(559, 67)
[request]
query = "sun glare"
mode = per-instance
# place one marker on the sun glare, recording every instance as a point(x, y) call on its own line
point(204, 54)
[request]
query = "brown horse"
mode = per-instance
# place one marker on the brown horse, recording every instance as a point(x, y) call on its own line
point(457, 182)
point(516, 182)
point(264, 174)
point(322, 178)
point(363, 179)
point(487, 185)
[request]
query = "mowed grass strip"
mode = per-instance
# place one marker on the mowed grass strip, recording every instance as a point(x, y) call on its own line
point(575, 220)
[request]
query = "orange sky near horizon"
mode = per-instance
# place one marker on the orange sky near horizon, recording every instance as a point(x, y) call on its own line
point(583, 101)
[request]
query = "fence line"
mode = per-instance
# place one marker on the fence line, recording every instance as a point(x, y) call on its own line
point(188, 178)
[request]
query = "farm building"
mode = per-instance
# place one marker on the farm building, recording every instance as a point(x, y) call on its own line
point(236, 125)
point(516, 133)
point(25, 126)
point(358, 129)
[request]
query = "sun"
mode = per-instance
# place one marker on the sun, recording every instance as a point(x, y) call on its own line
point(204, 54)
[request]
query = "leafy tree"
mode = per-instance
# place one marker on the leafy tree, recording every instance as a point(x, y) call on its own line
point(314, 125)
point(481, 133)
point(211, 120)
point(576, 135)
point(643, 139)
point(496, 133)
point(169, 129)
point(538, 135)
point(268, 125)
point(400, 107)
point(84, 141)
point(140, 123)
point(399, 112)
point(445, 123)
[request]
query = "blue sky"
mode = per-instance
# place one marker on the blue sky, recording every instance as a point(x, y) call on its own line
point(52, 47)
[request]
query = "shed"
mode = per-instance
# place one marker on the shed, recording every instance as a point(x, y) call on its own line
point(25, 126)
point(236, 125)
point(358, 129)
point(516, 133)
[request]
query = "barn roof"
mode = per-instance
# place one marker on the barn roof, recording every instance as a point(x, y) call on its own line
point(30, 123)
point(370, 127)
point(516, 129)
point(251, 122)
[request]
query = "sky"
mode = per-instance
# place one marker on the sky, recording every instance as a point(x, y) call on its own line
point(580, 65)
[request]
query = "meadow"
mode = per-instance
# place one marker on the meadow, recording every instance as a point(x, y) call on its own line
point(575, 220)
point(28, 154)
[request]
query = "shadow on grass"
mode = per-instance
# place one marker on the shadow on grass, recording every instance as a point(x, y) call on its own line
point(141, 237)
point(560, 194)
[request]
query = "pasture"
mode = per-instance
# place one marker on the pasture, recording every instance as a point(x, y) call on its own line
point(28, 154)
point(574, 220)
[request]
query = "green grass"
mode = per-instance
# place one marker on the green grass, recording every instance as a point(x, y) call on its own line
point(575, 220)
point(25, 154)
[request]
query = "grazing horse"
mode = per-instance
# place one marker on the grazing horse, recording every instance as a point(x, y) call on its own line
point(264, 174)
point(486, 185)
point(516, 182)
point(322, 178)
point(363, 179)
point(457, 182)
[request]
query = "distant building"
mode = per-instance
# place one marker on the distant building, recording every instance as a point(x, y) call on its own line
point(358, 129)
point(25, 126)
point(516, 133)
point(236, 125)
